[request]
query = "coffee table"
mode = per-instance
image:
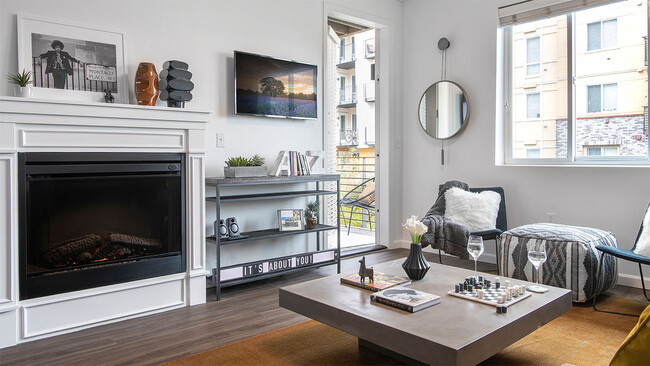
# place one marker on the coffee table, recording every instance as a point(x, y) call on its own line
point(456, 331)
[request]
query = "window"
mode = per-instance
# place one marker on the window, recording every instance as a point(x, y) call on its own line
point(586, 105)
point(601, 98)
point(533, 153)
point(601, 35)
point(532, 105)
point(354, 122)
point(532, 56)
point(342, 130)
point(601, 150)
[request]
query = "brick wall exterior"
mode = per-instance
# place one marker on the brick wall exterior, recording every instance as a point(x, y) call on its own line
point(621, 131)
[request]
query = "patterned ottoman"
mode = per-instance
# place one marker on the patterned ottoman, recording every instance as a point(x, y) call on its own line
point(572, 260)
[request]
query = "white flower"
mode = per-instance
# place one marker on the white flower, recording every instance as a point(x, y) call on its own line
point(416, 228)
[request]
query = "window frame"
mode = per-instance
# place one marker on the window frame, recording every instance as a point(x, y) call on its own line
point(508, 93)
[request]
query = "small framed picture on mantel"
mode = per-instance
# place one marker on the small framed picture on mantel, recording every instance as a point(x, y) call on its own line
point(290, 220)
point(74, 62)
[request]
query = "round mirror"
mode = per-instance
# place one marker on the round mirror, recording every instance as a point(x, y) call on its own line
point(443, 110)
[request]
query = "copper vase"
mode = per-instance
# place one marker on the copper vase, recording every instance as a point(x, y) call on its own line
point(146, 84)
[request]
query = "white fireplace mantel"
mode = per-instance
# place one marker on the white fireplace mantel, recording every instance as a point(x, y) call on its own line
point(35, 125)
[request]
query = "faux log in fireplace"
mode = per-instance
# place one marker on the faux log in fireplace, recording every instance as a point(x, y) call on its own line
point(96, 219)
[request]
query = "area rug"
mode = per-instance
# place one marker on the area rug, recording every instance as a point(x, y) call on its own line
point(579, 337)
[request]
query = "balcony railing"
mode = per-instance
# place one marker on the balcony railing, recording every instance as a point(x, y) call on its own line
point(369, 91)
point(355, 170)
point(369, 48)
point(349, 138)
point(85, 76)
point(348, 95)
point(347, 53)
point(369, 134)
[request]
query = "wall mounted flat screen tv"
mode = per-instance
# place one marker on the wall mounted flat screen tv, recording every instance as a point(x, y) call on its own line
point(272, 87)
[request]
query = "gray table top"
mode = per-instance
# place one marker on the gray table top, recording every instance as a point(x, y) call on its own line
point(456, 331)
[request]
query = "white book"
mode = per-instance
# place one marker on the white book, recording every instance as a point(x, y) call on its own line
point(405, 298)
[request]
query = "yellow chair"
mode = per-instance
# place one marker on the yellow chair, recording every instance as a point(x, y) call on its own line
point(635, 350)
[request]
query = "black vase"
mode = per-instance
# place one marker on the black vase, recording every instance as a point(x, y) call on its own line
point(415, 265)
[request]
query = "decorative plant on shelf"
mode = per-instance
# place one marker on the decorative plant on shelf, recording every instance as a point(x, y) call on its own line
point(311, 214)
point(22, 81)
point(239, 167)
point(256, 160)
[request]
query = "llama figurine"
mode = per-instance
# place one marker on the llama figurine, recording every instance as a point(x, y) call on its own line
point(366, 272)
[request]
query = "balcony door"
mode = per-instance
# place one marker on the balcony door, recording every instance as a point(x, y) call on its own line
point(350, 127)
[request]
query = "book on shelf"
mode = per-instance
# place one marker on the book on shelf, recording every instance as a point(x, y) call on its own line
point(405, 298)
point(382, 281)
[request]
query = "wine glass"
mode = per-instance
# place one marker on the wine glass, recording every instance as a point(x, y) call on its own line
point(475, 249)
point(537, 256)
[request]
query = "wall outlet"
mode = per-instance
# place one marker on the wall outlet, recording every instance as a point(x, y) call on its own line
point(550, 216)
point(221, 139)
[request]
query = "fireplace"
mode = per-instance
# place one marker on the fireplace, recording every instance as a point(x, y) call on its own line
point(95, 219)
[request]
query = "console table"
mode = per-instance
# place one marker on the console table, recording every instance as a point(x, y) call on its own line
point(266, 267)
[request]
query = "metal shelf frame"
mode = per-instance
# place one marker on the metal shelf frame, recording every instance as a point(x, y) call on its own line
point(317, 179)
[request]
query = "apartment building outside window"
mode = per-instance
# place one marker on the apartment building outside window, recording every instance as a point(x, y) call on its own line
point(576, 87)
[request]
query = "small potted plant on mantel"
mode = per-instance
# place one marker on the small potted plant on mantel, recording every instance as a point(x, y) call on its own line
point(241, 167)
point(22, 81)
point(311, 214)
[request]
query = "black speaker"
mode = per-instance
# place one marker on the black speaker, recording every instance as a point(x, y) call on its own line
point(220, 228)
point(233, 227)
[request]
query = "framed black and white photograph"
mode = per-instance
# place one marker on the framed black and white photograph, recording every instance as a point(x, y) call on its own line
point(72, 61)
point(290, 220)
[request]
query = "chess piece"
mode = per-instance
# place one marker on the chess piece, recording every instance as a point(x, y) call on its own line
point(146, 84)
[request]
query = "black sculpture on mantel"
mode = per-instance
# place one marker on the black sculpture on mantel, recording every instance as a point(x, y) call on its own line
point(175, 85)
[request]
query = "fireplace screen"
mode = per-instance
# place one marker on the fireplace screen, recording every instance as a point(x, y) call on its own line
point(90, 223)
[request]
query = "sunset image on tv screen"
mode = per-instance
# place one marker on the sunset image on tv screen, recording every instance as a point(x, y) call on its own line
point(271, 87)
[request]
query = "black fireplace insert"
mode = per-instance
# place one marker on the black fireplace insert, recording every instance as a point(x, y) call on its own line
point(97, 219)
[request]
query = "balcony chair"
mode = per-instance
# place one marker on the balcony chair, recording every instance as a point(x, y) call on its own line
point(501, 225)
point(632, 255)
point(363, 196)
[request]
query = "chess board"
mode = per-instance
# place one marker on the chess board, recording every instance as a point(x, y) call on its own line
point(489, 296)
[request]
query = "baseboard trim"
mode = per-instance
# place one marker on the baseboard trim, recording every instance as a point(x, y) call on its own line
point(625, 279)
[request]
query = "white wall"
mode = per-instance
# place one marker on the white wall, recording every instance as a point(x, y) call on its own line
point(205, 34)
point(612, 199)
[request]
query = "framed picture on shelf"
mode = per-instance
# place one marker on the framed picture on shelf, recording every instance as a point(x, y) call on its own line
point(72, 61)
point(290, 220)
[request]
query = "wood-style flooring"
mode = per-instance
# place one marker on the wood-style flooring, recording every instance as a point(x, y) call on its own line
point(244, 311)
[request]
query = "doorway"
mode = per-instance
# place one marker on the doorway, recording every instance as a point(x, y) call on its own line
point(350, 126)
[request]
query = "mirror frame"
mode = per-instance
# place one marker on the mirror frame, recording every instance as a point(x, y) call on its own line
point(465, 120)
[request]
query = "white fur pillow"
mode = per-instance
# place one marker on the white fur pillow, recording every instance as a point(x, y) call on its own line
point(477, 211)
point(643, 245)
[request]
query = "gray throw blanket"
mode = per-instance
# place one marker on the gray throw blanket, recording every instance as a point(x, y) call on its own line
point(443, 233)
